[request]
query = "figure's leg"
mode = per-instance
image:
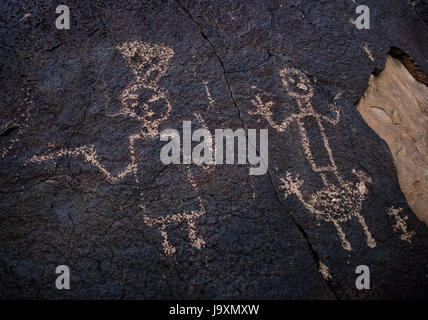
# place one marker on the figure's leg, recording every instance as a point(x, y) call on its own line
point(132, 140)
point(345, 243)
point(370, 241)
point(167, 248)
point(195, 241)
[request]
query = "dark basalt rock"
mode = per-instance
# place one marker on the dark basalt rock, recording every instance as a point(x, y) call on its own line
point(76, 190)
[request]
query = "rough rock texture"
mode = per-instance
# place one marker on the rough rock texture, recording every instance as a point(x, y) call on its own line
point(420, 7)
point(396, 106)
point(81, 182)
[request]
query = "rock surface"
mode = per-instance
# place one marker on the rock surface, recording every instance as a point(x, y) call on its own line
point(395, 105)
point(81, 182)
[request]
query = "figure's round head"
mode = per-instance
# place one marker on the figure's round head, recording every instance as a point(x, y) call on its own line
point(296, 83)
point(144, 99)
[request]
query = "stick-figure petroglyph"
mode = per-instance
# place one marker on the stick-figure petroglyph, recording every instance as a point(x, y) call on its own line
point(339, 200)
point(148, 64)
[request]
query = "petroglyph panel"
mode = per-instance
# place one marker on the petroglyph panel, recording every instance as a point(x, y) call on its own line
point(81, 182)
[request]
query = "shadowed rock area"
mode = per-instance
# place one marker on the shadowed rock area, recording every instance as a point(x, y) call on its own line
point(82, 184)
